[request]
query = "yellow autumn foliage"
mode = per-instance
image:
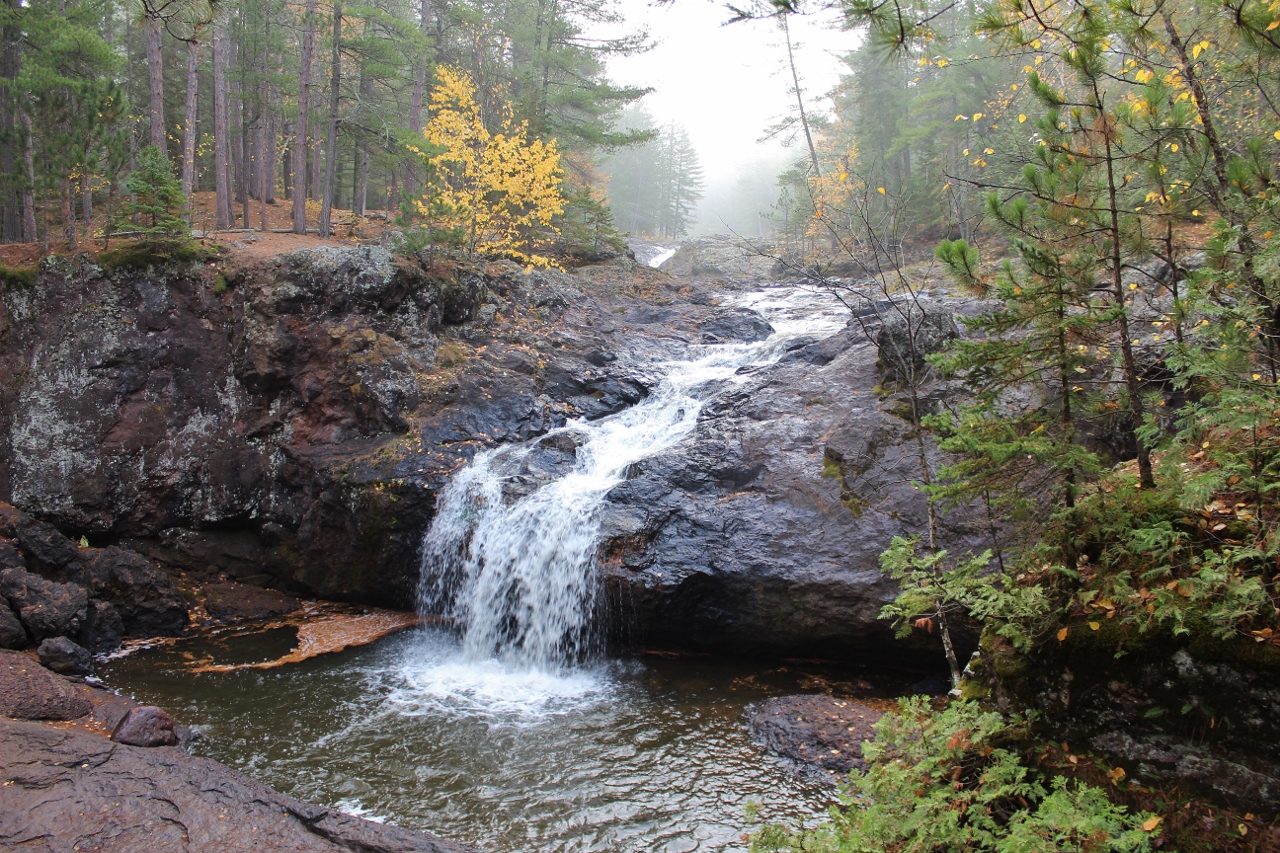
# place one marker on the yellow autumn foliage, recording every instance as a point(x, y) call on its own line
point(501, 189)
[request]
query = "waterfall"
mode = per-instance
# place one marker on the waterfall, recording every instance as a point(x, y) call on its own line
point(516, 567)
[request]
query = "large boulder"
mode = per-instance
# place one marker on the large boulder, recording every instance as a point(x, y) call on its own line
point(1200, 711)
point(145, 597)
point(65, 657)
point(45, 608)
point(145, 725)
point(910, 331)
point(762, 531)
point(735, 324)
point(721, 257)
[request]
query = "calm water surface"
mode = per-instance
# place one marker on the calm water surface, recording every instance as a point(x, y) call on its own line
point(645, 754)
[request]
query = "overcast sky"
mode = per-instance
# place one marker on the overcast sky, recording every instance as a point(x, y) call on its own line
point(726, 84)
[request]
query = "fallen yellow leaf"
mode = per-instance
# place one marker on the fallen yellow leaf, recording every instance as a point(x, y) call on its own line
point(1062, 635)
point(1151, 823)
point(1021, 118)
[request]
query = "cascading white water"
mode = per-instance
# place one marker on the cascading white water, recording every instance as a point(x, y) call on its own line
point(518, 574)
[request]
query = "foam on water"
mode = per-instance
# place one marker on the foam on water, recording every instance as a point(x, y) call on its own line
point(436, 678)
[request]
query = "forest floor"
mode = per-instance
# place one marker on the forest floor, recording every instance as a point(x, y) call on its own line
point(245, 244)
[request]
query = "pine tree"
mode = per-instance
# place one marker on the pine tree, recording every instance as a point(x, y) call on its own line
point(156, 209)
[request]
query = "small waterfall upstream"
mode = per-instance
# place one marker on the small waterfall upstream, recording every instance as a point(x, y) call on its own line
point(517, 571)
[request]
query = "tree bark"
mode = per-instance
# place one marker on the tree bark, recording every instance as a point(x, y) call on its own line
point(189, 122)
point(155, 67)
point(304, 100)
point(419, 96)
point(331, 137)
point(795, 82)
point(29, 234)
point(10, 181)
point(266, 163)
point(360, 196)
point(221, 133)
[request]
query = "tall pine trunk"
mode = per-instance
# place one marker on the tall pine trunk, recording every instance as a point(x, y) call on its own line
point(331, 137)
point(304, 101)
point(29, 234)
point(419, 96)
point(189, 122)
point(266, 163)
point(155, 68)
point(360, 196)
point(221, 133)
point(11, 181)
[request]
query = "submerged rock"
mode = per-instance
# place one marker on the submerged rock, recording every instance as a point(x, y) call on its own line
point(822, 734)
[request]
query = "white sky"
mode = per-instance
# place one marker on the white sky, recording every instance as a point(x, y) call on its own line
point(726, 84)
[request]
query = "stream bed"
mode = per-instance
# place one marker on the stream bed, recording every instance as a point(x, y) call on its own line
point(648, 753)
point(514, 732)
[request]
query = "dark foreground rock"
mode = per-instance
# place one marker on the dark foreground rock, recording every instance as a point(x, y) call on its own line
point(1201, 712)
point(69, 787)
point(821, 734)
point(64, 656)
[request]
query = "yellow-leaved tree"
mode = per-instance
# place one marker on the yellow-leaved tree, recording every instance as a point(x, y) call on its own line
point(500, 189)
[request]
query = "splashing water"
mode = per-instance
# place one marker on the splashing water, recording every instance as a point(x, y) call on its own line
point(518, 573)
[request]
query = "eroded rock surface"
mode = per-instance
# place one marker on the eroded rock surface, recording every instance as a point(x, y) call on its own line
point(821, 734)
point(294, 430)
point(28, 691)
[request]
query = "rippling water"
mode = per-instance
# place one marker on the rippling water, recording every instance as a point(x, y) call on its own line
point(646, 754)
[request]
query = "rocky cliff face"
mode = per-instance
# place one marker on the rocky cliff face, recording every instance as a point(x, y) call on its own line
point(290, 424)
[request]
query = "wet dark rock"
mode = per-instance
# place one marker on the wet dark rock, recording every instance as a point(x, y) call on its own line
point(735, 324)
point(68, 787)
point(294, 430)
point(103, 628)
point(762, 531)
point(28, 691)
point(45, 608)
point(1201, 712)
point(145, 725)
point(12, 634)
point(65, 657)
point(10, 558)
point(909, 332)
point(45, 544)
point(821, 734)
point(237, 602)
point(145, 596)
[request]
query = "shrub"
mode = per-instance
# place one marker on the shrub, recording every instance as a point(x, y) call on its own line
point(955, 781)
